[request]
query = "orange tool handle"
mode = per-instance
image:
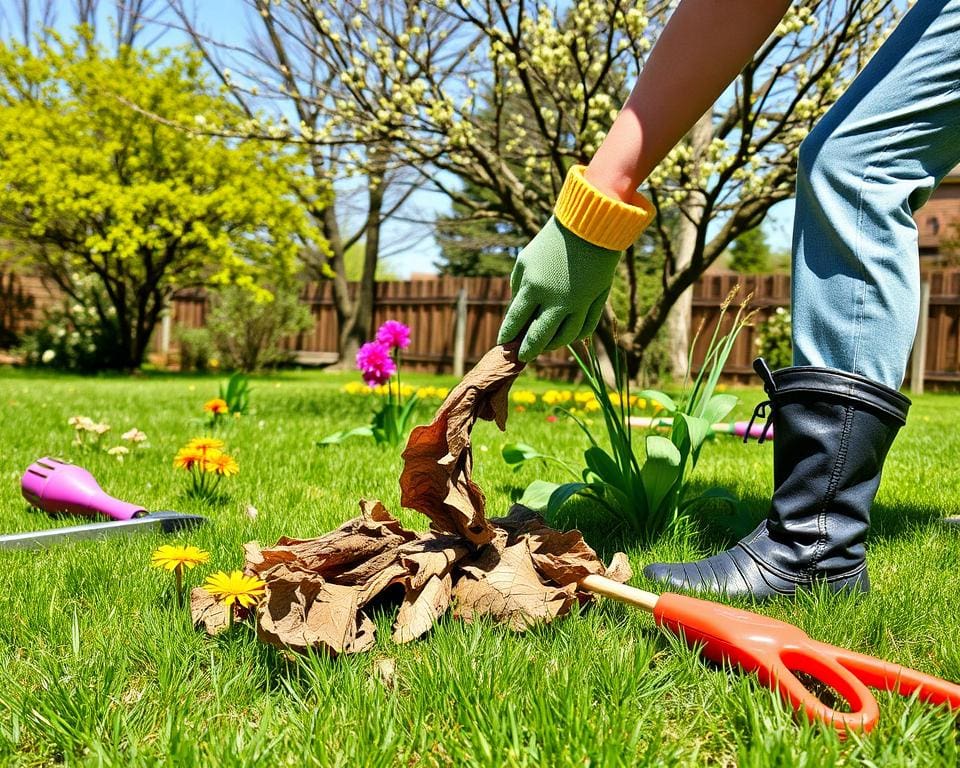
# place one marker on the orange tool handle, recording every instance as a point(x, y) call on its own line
point(776, 651)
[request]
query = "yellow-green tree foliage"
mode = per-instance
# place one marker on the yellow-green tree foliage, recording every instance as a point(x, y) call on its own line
point(97, 178)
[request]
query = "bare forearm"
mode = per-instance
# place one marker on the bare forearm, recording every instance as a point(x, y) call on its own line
point(701, 50)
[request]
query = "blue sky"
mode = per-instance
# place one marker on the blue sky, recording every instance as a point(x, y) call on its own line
point(229, 21)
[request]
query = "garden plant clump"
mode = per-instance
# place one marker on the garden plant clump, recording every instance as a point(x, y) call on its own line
point(648, 495)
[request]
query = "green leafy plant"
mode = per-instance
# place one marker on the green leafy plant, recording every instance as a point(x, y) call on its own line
point(196, 349)
point(236, 393)
point(649, 494)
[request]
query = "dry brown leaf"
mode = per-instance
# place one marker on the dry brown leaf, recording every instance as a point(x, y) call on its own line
point(207, 610)
point(353, 543)
point(438, 461)
point(302, 614)
point(430, 555)
point(421, 608)
point(619, 568)
point(503, 584)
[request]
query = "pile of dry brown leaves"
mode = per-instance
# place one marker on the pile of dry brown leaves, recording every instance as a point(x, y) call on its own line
point(514, 569)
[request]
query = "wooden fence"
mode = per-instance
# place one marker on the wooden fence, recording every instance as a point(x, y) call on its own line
point(430, 308)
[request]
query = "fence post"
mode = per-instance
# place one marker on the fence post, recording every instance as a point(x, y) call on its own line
point(166, 323)
point(460, 333)
point(918, 357)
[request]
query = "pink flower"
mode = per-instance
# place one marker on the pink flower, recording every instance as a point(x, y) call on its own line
point(375, 363)
point(394, 334)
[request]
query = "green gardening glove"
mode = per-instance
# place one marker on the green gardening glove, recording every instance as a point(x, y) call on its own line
point(562, 278)
point(559, 284)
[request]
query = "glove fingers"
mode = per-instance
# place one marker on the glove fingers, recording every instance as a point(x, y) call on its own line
point(516, 277)
point(593, 316)
point(519, 313)
point(567, 333)
point(540, 332)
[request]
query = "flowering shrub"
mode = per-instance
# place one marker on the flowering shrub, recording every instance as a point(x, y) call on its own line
point(378, 362)
point(75, 335)
point(774, 342)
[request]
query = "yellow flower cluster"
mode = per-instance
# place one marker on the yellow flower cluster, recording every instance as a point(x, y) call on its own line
point(206, 454)
point(584, 400)
point(406, 390)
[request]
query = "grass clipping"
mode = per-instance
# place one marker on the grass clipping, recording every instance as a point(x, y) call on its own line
point(514, 569)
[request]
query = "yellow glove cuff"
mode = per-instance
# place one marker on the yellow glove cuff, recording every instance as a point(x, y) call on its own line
point(597, 218)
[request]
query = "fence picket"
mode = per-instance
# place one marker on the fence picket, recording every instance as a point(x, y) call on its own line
point(429, 307)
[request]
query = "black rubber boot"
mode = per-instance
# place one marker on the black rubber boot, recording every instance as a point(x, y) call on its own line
point(832, 431)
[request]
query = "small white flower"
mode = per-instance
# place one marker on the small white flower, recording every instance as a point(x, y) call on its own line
point(81, 422)
point(119, 451)
point(47, 356)
point(251, 512)
point(134, 436)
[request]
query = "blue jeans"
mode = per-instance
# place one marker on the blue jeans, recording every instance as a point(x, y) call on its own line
point(871, 161)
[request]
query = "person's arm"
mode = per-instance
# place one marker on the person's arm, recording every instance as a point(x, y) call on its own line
point(562, 278)
point(702, 48)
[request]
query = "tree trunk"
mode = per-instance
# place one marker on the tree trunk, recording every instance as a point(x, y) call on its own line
point(687, 239)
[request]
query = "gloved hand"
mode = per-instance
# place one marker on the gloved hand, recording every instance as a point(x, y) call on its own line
point(562, 278)
point(561, 282)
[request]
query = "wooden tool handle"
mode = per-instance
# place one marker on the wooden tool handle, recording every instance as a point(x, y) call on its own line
point(601, 585)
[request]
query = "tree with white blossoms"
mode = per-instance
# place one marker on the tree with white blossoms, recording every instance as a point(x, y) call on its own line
point(506, 95)
point(297, 66)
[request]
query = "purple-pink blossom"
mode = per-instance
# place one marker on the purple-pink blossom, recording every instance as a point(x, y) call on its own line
point(375, 363)
point(394, 334)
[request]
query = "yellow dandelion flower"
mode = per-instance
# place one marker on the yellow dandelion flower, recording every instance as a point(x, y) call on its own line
point(187, 458)
point(220, 463)
point(173, 556)
point(442, 392)
point(583, 397)
point(217, 406)
point(591, 406)
point(524, 397)
point(204, 444)
point(235, 587)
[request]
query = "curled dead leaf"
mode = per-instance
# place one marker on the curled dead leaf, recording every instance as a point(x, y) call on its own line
point(205, 609)
point(438, 461)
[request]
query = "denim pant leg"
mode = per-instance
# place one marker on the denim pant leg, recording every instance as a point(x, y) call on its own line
point(873, 160)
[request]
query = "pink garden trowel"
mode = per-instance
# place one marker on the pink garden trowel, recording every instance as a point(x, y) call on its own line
point(58, 487)
point(61, 488)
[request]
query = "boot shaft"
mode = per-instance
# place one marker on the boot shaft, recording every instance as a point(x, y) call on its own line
point(833, 432)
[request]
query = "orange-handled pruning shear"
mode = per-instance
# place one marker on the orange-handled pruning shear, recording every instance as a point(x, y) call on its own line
point(776, 650)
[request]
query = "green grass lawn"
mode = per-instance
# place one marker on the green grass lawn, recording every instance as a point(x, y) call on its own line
point(100, 667)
